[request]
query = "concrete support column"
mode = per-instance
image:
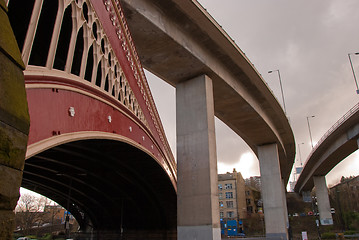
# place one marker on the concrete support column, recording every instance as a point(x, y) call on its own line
point(323, 200)
point(307, 196)
point(197, 194)
point(14, 124)
point(285, 204)
point(274, 200)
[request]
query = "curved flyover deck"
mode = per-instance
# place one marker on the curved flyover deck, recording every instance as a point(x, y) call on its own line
point(178, 40)
point(335, 145)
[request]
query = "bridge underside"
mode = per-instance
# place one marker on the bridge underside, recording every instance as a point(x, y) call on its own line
point(339, 144)
point(107, 185)
point(178, 40)
point(326, 163)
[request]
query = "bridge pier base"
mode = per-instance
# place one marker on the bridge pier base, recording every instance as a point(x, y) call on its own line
point(323, 200)
point(197, 194)
point(273, 194)
point(14, 124)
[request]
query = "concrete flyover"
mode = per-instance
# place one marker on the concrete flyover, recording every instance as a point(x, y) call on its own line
point(181, 43)
point(339, 142)
point(178, 40)
point(96, 144)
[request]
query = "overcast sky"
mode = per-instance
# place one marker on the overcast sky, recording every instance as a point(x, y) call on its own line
point(309, 42)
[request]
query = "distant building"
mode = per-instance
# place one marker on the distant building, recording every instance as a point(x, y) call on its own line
point(345, 195)
point(291, 186)
point(57, 214)
point(254, 182)
point(231, 194)
point(253, 200)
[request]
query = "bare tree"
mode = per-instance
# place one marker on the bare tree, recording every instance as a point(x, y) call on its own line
point(29, 212)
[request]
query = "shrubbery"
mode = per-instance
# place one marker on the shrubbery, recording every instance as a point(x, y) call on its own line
point(47, 236)
point(351, 220)
point(328, 235)
point(350, 232)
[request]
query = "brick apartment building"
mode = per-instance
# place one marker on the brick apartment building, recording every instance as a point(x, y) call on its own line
point(238, 198)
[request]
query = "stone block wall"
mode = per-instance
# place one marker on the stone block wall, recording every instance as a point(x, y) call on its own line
point(14, 124)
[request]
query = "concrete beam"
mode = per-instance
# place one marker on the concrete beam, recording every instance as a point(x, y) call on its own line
point(197, 195)
point(274, 203)
point(323, 200)
point(340, 143)
point(178, 39)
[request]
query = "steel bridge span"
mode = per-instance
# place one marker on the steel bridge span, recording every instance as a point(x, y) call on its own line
point(96, 144)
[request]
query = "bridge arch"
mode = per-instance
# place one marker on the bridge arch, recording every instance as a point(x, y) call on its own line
point(102, 179)
point(96, 144)
point(57, 140)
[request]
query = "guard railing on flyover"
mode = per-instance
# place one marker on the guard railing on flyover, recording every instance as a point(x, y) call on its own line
point(347, 115)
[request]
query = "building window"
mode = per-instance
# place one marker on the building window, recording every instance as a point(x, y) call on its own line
point(219, 186)
point(250, 209)
point(229, 194)
point(221, 215)
point(229, 204)
point(248, 201)
point(220, 196)
point(228, 186)
point(230, 214)
point(248, 193)
point(220, 203)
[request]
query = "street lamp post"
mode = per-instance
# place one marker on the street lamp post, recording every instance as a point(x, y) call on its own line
point(310, 133)
point(298, 171)
point(300, 156)
point(316, 211)
point(281, 88)
point(351, 64)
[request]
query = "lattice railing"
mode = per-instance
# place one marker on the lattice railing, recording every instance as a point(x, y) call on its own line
point(68, 36)
point(335, 126)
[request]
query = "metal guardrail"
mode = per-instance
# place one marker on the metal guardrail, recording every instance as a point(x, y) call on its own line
point(346, 116)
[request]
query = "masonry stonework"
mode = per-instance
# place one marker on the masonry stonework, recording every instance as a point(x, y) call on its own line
point(14, 124)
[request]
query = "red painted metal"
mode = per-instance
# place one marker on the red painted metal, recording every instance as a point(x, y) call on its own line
point(49, 113)
point(126, 55)
point(50, 96)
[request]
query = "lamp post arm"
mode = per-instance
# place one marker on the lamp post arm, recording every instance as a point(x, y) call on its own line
point(281, 89)
point(355, 79)
point(310, 133)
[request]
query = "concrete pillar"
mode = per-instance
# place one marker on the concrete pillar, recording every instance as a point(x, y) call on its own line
point(197, 195)
point(307, 197)
point(284, 199)
point(274, 201)
point(323, 200)
point(14, 124)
